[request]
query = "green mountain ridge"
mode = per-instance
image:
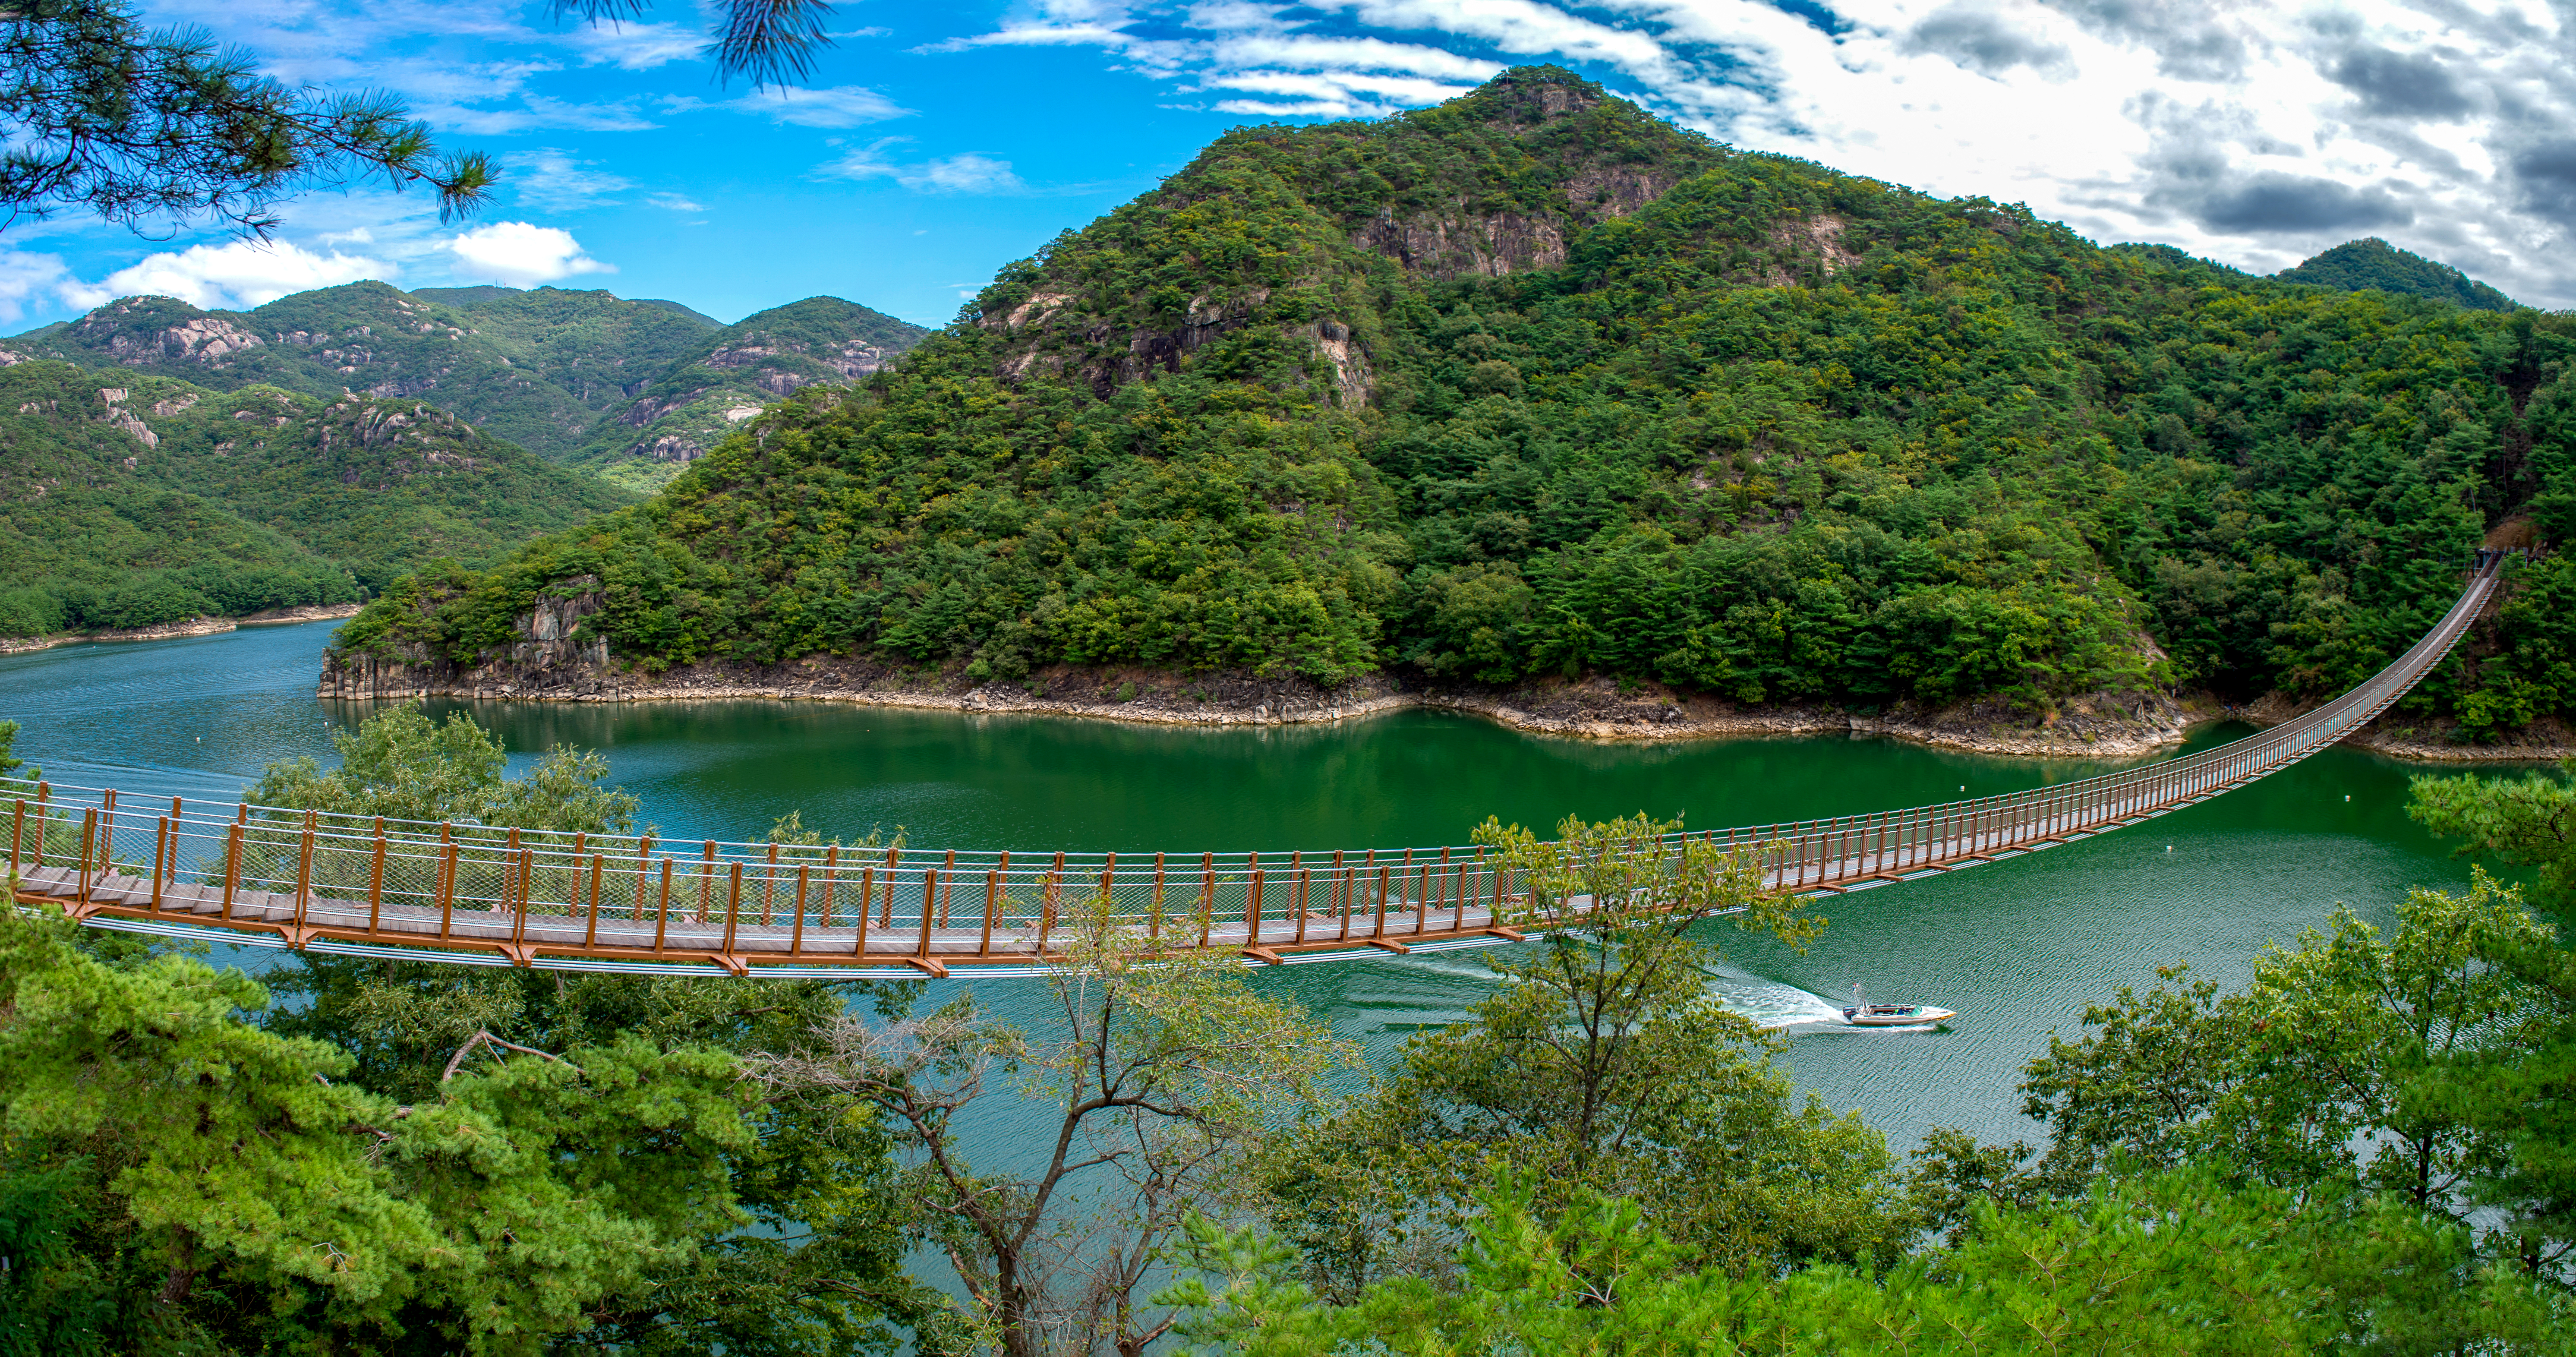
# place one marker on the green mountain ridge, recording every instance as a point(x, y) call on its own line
point(2374, 263)
point(734, 373)
point(552, 370)
point(1531, 383)
point(158, 499)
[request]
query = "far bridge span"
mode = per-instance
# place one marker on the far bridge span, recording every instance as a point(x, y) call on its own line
point(496, 895)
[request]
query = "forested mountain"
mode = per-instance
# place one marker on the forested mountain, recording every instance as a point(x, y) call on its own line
point(735, 372)
point(2374, 263)
point(155, 500)
point(551, 370)
point(1533, 383)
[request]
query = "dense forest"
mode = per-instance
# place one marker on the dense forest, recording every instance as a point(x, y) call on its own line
point(156, 500)
point(1532, 383)
point(2374, 263)
point(733, 373)
point(562, 373)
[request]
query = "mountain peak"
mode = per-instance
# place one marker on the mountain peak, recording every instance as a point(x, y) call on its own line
point(1533, 95)
point(2374, 264)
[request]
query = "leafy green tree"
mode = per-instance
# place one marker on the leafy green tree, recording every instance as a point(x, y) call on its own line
point(1168, 1077)
point(401, 765)
point(1600, 1064)
point(820, 1271)
point(233, 1193)
point(2529, 821)
point(9, 765)
point(2406, 1087)
point(2175, 1263)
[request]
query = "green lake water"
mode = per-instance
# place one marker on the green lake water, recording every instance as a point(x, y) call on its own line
point(2017, 948)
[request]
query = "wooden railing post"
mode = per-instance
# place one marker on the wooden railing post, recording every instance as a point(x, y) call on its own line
point(643, 873)
point(662, 912)
point(376, 880)
point(733, 904)
point(1049, 896)
point(527, 866)
point(232, 867)
point(44, 818)
point(1154, 930)
point(1207, 896)
point(304, 870)
point(796, 938)
point(446, 885)
point(162, 851)
point(992, 905)
point(947, 874)
point(590, 912)
point(867, 908)
point(1252, 901)
point(1305, 876)
point(88, 846)
point(929, 907)
point(1345, 886)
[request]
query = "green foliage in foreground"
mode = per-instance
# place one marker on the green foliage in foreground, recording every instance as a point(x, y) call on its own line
point(243, 502)
point(1781, 434)
point(2529, 821)
point(2181, 1264)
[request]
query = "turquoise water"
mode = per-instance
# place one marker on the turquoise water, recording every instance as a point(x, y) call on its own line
point(2017, 948)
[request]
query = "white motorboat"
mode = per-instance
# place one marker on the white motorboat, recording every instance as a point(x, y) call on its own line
point(1863, 1013)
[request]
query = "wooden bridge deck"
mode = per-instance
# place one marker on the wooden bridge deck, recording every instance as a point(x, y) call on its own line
point(490, 895)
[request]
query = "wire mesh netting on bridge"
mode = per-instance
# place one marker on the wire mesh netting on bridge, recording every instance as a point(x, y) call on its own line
point(496, 894)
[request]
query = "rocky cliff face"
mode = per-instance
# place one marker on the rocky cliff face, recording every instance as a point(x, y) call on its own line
point(545, 658)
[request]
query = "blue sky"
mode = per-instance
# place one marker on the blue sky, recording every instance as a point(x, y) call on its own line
point(936, 143)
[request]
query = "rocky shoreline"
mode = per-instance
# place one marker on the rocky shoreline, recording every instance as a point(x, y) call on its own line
point(2093, 726)
point(551, 668)
point(549, 661)
point(169, 631)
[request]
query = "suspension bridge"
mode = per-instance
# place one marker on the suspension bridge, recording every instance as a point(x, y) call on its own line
point(497, 895)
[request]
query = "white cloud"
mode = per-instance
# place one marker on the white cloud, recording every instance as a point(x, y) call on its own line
point(837, 106)
point(554, 181)
point(519, 254)
point(235, 274)
point(673, 202)
point(634, 47)
point(967, 172)
point(25, 277)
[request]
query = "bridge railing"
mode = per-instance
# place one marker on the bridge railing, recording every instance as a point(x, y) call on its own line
point(529, 893)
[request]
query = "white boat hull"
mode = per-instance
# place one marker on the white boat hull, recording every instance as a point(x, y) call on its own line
point(1897, 1015)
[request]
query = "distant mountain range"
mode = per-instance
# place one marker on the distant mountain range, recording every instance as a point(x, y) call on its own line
point(153, 500)
point(631, 389)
